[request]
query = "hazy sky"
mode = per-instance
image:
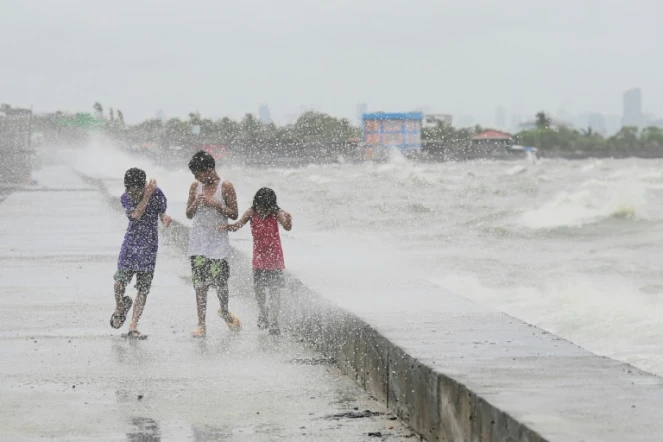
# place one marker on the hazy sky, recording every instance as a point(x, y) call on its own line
point(222, 57)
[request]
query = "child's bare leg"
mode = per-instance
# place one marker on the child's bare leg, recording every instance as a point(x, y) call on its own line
point(139, 305)
point(274, 306)
point(222, 293)
point(220, 271)
point(119, 294)
point(201, 302)
point(261, 298)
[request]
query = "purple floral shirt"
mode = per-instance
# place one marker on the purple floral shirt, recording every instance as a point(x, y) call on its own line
point(141, 242)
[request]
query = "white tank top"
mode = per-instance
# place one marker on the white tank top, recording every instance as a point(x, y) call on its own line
point(204, 238)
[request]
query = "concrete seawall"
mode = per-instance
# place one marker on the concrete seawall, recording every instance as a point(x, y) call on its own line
point(451, 369)
point(66, 375)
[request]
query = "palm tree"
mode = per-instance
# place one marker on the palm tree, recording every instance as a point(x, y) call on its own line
point(542, 120)
point(587, 132)
point(194, 118)
point(99, 109)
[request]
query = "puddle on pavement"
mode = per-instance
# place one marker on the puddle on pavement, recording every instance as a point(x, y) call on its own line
point(145, 430)
point(354, 415)
point(314, 361)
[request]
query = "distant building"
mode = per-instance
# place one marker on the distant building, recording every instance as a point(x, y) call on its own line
point(466, 121)
point(554, 123)
point(362, 108)
point(632, 114)
point(597, 123)
point(652, 121)
point(424, 109)
point(612, 124)
point(263, 114)
point(516, 121)
point(500, 117)
point(492, 137)
point(564, 115)
point(400, 131)
point(432, 120)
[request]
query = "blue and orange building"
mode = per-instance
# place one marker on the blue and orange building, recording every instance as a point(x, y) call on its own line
point(400, 131)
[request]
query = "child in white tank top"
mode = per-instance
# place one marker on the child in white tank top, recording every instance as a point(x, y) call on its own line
point(211, 201)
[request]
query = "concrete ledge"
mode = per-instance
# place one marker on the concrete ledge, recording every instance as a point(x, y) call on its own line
point(436, 406)
point(465, 373)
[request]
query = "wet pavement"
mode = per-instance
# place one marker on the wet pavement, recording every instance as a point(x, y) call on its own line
point(476, 355)
point(554, 387)
point(66, 375)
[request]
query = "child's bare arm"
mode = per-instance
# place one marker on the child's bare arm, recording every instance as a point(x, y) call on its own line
point(230, 198)
point(192, 203)
point(239, 224)
point(285, 219)
point(165, 219)
point(139, 211)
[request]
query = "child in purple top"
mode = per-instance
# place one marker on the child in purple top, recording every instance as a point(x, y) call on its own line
point(144, 203)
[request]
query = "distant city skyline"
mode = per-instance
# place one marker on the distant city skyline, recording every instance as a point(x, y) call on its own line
point(362, 108)
point(605, 124)
point(632, 113)
point(632, 108)
point(264, 114)
point(227, 58)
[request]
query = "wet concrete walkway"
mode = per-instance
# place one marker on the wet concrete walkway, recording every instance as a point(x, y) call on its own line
point(66, 375)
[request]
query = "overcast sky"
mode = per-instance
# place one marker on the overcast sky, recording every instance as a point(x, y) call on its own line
point(220, 57)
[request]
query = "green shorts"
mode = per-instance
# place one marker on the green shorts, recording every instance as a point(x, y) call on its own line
point(209, 272)
point(143, 279)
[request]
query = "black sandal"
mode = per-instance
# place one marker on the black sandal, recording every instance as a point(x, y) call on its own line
point(121, 318)
point(134, 334)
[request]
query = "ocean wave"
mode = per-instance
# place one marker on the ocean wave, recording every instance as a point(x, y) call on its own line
point(594, 201)
point(418, 208)
point(516, 170)
point(318, 179)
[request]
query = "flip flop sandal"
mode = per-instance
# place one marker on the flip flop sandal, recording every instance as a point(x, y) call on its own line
point(134, 334)
point(199, 332)
point(119, 319)
point(231, 320)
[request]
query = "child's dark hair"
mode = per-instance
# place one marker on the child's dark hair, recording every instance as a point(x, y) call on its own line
point(134, 177)
point(201, 161)
point(265, 199)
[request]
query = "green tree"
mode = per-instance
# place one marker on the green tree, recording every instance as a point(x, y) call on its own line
point(148, 130)
point(587, 132)
point(176, 132)
point(316, 126)
point(542, 120)
point(208, 129)
point(652, 137)
point(194, 118)
point(99, 109)
point(440, 132)
point(250, 129)
point(589, 140)
point(227, 130)
point(626, 139)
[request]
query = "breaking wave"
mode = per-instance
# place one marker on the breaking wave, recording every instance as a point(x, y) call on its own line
point(594, 202)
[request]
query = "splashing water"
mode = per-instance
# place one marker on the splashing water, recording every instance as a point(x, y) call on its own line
point(593, 202)
point(571, 246)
